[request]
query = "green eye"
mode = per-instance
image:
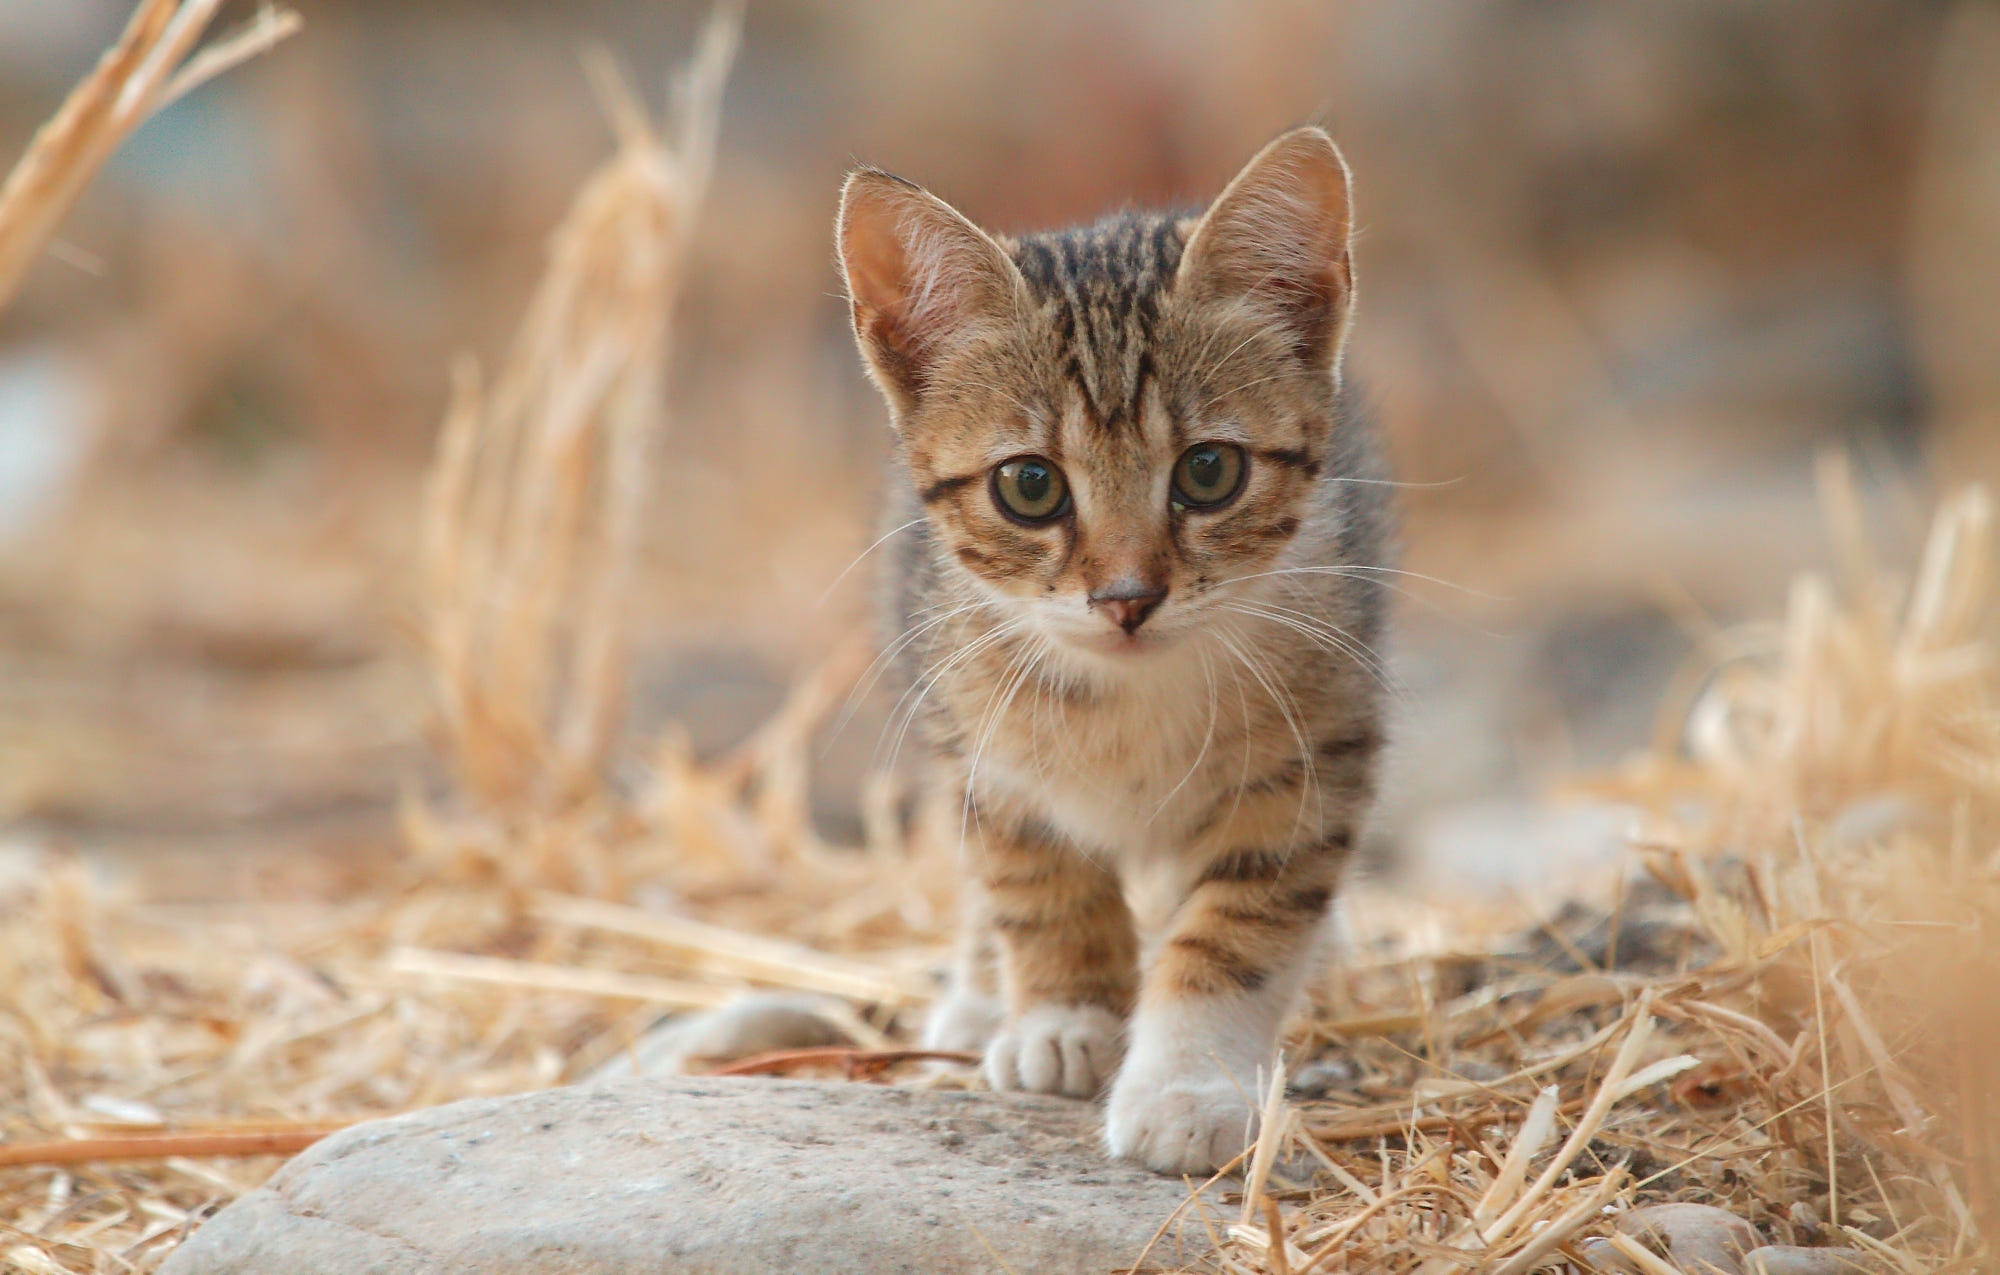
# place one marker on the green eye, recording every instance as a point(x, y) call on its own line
point(1030, 489)
point(1208, 475)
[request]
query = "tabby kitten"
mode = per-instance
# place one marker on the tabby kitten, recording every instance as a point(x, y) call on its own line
point(1136, 602)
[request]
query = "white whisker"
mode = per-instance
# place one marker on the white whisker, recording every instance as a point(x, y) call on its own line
point(879, 542)
point(1346, 569)
point(1329, 637)
point(880, 664)
point(1207, 738)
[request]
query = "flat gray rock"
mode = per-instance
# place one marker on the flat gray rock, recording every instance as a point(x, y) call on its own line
point(740, 1176)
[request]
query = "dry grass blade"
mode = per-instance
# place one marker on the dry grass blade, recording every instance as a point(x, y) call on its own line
point(531, 520)
point(530, 976)
point(751, 956)
point(147, 68)
point(1533, 1135)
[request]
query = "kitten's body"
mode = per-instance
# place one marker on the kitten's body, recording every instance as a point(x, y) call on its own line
point(1140, 703)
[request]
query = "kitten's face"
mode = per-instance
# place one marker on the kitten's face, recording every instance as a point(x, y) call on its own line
point(1112, 429)
point(1113, 527)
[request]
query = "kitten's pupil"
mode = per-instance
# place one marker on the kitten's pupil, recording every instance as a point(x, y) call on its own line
point(1033, 483)
point(1030, 489)
point(1208, 474)
point(1205, 469)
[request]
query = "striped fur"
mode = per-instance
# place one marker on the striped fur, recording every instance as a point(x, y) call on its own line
point(1154, 818)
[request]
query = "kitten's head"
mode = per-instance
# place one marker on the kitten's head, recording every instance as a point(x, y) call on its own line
point(1110, 426)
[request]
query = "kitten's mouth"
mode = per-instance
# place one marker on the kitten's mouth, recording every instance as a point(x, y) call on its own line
point(1114, 641)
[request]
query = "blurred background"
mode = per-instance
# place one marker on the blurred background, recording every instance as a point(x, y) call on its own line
point(1626, 271)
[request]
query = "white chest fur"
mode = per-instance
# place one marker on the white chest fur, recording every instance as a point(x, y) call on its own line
point(1128, 769)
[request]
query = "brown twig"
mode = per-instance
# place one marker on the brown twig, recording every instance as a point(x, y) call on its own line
point(854, 1060)
point(161, 1146)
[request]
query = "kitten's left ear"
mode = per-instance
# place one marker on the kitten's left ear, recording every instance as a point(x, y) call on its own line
point(1276, 242)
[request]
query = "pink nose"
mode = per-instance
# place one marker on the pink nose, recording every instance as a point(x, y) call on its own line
point(1128, 602)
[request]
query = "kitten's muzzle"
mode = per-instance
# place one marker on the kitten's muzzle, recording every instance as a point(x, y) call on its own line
point(1127, 602)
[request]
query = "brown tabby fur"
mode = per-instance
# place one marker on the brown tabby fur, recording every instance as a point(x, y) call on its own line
point(1210, 768)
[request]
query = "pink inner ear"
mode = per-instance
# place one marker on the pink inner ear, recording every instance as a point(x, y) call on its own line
point(872, 252)
point(921, 277)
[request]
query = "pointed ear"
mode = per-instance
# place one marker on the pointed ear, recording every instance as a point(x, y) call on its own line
point(922, 281)
point(1276, 242)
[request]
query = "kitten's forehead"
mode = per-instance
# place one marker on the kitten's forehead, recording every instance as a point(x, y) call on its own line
point(1101, 290)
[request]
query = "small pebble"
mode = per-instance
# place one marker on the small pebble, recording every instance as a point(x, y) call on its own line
point(1694, 1237)
point(1323, 1076)
point(1790, 1259)
point(1805, 1220)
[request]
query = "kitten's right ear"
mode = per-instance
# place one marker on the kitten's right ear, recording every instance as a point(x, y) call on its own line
point(922, 281)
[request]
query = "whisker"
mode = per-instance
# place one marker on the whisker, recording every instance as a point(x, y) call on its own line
point(1330, 637)
point(996, 708)
point(922, 686)
point(1238, 389)
point(879, 542)
point(880, 665)
point(1391, 482)
point(1346, 568)
point(1207, 738)
point(1243, 713)
point(1288, 708)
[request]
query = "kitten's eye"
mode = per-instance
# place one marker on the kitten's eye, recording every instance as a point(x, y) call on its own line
point(1030, 489)
point(1208, 475)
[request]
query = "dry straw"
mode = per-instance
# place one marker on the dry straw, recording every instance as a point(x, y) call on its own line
point(531, 518)
point(149, 67)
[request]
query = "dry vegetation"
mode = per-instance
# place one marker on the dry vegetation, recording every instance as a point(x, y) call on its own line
point(1815, 1048)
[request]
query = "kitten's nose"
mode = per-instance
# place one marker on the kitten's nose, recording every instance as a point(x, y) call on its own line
point(1128, 602)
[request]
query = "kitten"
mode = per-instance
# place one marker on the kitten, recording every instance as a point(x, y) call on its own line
point(1137, 606)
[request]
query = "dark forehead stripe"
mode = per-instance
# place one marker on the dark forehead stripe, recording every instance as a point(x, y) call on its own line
point(1103, 285)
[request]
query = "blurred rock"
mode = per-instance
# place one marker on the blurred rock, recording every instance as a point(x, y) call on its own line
point(1694, 1237)
point(728, 1177)
point(1645, 938)
point(48, 422)
point(1495, 847)
point(755, 1024)
point(1790, 1259)
point(1322, 1076)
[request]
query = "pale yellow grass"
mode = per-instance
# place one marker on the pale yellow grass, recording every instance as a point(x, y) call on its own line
point(153, 63)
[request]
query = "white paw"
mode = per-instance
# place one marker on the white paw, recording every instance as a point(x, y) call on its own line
point(963, 1022)
point(1193, 1124)
point(1187, 1099)
point(1065, 1049)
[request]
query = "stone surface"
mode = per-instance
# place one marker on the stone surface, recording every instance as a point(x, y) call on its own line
point(706, 1175)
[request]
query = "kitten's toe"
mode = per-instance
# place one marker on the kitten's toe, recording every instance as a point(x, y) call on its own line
point(963, 1022)
point(1062, 1049)
point(1187, 1126)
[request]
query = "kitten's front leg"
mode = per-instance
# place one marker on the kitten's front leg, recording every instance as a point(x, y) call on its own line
point(1069, 958)
point(1217, 990)
point(1213, 1001)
